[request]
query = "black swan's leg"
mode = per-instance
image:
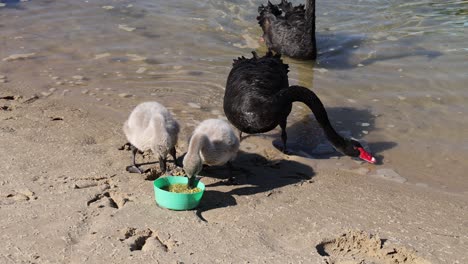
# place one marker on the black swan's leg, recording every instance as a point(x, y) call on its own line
point(173, 154)
point(133, 168)
point(284, 136)
point(240, 135)
point(162, 164)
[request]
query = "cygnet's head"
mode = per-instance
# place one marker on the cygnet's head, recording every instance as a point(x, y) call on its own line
point(192, 167)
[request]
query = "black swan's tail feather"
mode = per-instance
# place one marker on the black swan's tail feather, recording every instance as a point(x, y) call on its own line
point(266, 11)
point(269, 57)
point(289, 9)
point(255, 55)
point(269, 8)
point(284, 8)
point(289, 29)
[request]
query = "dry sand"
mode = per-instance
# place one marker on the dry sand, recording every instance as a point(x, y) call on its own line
point(65, 197)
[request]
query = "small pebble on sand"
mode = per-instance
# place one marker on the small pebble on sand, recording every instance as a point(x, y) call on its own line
point(78, 77)
point(401, 97)
point(351, 100)
point(108, 7)
point(102, 55)
point(365, 132)
point(141, 70)
point(2, 4)
point(136, 57)
point(19, 56)
point(365, 124)
point(360, 65)
point(194, 105)
point(125, 95)
point(126, 28)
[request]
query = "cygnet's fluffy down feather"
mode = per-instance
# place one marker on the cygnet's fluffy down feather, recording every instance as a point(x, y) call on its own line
point(212, 143)
point(151, 126)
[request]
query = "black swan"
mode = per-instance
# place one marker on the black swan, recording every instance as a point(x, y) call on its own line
point(289, 30)
point(258, 98)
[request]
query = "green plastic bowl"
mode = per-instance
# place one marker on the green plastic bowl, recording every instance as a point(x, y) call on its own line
point(176, 201)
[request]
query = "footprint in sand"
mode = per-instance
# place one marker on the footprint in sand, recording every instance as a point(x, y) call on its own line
point(146, 240)
point(110, 199)
point(22, 195)
point(11, 105)
point(358, 247)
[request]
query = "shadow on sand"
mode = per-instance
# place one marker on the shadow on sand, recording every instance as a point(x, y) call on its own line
point(254, 174)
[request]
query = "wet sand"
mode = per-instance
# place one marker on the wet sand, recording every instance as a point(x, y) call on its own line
point(65, 197)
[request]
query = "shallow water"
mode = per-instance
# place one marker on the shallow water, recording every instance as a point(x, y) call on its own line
point(389, 72)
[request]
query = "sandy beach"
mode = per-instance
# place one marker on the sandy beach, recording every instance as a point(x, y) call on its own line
point(391, 74)
point(65, 197)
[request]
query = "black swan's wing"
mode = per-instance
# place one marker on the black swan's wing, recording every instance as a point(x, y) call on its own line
point(250, 101)
point(263, 76)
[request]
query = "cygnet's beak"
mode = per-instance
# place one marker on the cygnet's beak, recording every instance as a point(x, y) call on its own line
point(191, 181)
point(364, 155)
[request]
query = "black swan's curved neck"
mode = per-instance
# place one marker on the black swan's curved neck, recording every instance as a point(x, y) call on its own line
point(301, 94)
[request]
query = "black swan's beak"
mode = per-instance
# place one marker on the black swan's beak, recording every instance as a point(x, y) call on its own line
point(364, 155)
